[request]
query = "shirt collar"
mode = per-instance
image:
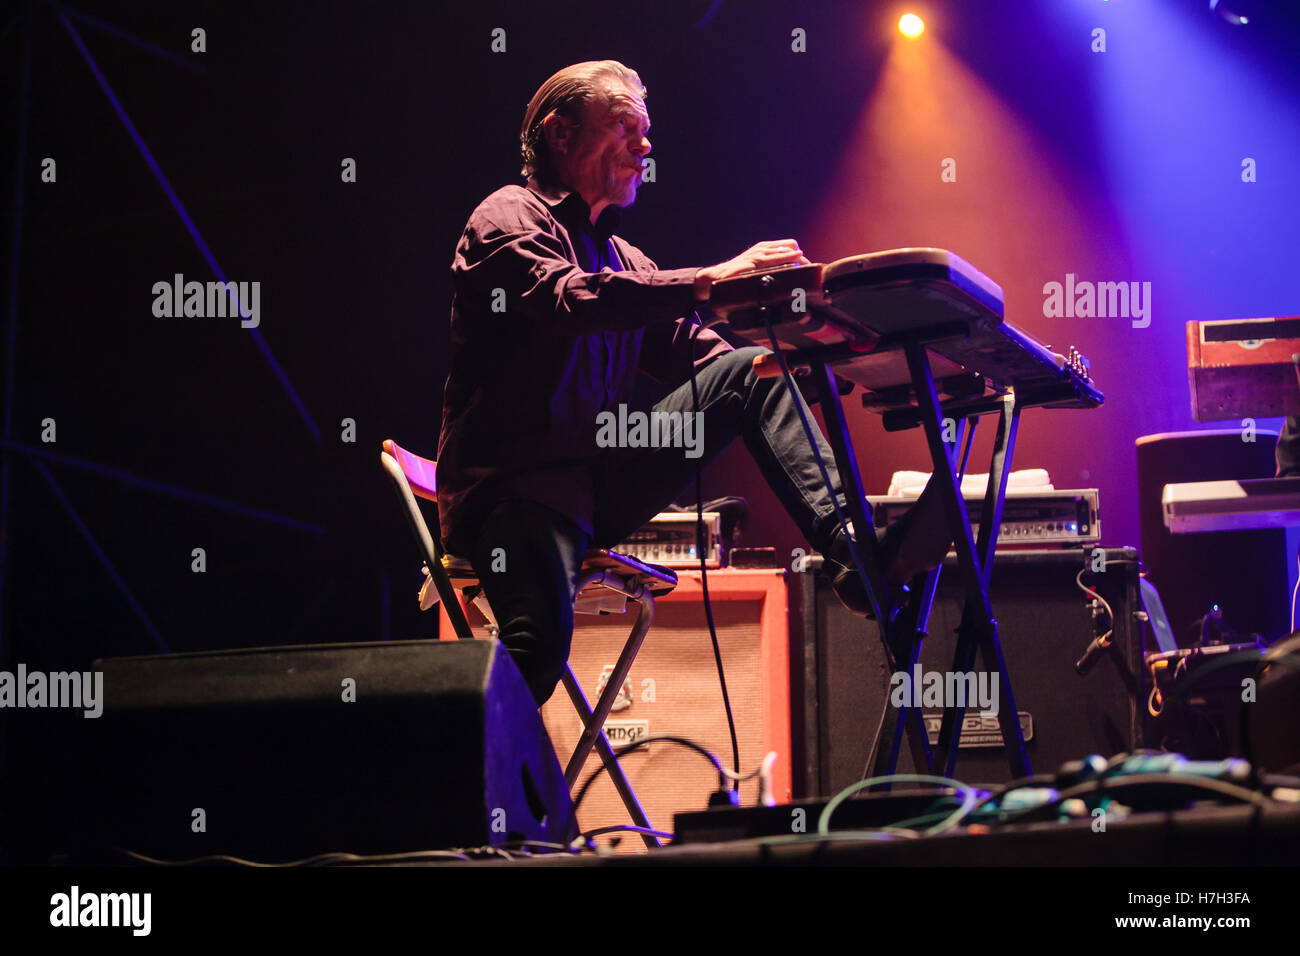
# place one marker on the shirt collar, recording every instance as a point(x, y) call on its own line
point(570, 206)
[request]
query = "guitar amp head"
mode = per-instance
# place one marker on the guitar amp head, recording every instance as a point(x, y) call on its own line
point(669, 540)
point(1034, 517)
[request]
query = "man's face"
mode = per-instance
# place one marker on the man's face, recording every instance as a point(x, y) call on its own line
point(603, 165)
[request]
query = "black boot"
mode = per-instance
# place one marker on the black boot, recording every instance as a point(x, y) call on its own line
point(837, 564)
point(919, 540)
point(916, 542)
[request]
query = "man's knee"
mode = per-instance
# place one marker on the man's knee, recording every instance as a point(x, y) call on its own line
point(745, 357)
point(737, 364)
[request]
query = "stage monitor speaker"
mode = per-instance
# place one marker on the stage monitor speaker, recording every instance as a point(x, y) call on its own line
point(1270, 725)
point(278, 754)
point(1045, 622)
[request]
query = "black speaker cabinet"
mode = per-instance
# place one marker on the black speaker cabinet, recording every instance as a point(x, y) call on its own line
point(1045, 622)
point(1244, 572)
point(276, 754)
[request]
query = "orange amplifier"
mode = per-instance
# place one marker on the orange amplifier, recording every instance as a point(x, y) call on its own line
point(1243, 368)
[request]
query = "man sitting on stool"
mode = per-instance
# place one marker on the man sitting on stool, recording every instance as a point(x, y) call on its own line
point(552, 317)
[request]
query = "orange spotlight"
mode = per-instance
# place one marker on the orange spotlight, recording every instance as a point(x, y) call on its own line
point(910, 25)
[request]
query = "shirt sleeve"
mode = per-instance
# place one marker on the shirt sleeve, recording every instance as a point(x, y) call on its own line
point(511, 259)
point(666, 350)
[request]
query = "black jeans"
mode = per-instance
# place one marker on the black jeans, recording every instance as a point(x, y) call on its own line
point(528, 556)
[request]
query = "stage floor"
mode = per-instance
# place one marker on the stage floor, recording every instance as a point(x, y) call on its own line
point(1209, 836)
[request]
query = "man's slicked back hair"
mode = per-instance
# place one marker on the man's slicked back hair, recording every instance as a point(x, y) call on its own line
point(565, 93)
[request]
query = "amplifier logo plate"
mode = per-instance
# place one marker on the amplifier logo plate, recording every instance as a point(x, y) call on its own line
point(624, 699)
point(624, 732)
point(977, 731)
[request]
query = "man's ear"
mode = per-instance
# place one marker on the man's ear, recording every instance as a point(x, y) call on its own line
point(558, 133)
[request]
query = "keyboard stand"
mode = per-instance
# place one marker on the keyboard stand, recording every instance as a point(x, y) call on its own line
point(857, 315)
point(906, 615)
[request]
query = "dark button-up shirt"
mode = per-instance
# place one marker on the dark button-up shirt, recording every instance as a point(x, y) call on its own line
point(551, 318)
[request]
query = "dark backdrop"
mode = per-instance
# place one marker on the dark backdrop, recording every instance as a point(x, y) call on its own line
point(175, 433)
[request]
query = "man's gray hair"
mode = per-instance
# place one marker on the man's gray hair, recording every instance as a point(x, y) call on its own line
point(565, 94)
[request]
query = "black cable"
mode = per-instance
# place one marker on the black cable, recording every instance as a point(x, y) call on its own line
point(704, 571)
point(870, 767)
point(1217, 662)
point(821, 465)
point(1182, 686)
point(1143, 570)
point(1111, 783)
point(880, 609)
point(644, 741)
point(524, 845)
point(321, 859)
point(1020, 783)
point(971, 422)
point(623, 827)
